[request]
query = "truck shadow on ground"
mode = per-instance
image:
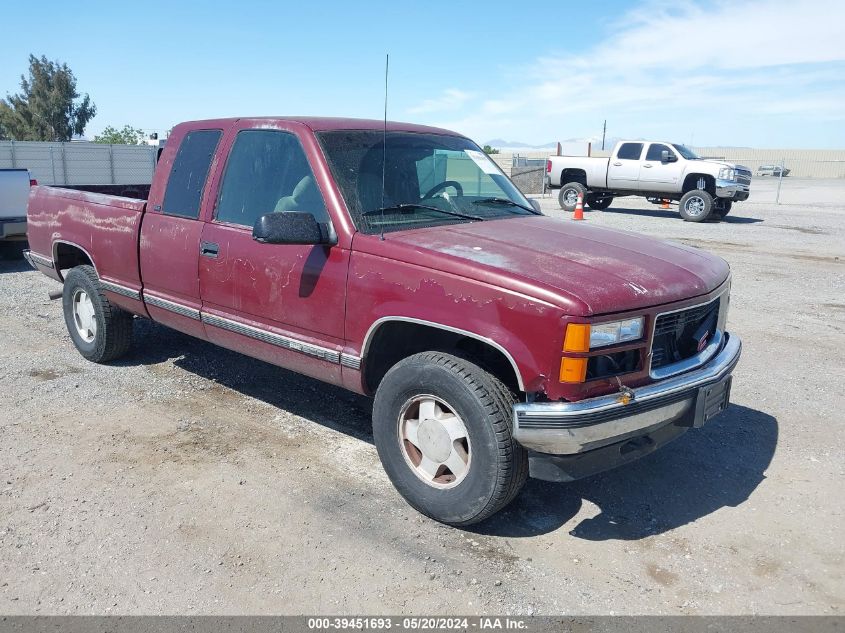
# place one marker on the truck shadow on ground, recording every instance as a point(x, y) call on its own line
point(701, 472)
point(325, 404)
point(673, 213)
point(11, 258)
point(13, 266)
point(707, 469)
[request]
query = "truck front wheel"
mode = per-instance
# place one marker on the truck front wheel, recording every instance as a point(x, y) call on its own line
point(567, 197)
point(696, 205)
point(100, 331)
point(442, 428)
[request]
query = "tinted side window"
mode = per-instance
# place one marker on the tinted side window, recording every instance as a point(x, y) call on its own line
point(267, 172)
point(630, 151)
point(655, 149)
point(190, 169)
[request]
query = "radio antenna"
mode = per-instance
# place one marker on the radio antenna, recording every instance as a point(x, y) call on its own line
point(384, 142)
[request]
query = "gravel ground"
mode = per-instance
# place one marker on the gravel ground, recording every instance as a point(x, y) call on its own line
point(189, 479)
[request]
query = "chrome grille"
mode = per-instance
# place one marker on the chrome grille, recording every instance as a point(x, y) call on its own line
point(743, 176)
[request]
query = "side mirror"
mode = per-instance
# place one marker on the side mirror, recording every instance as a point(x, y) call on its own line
point(666, 157)
point(290, 227)
point(536, 205)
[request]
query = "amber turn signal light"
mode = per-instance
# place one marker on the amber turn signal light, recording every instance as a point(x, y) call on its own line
point(577, 338)
point(573, 369)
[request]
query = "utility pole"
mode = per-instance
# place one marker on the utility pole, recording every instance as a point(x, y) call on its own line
point(603, 130)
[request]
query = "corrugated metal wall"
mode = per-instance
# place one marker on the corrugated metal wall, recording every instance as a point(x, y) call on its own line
point(81, 163)
point(806, 163)
point(92, 163)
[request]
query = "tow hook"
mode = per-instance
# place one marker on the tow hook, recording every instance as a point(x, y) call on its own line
point(626, 394)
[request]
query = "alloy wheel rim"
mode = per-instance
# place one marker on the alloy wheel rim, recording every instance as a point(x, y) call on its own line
point(434, 441)
point(570, 196)
point(84, 317)
point(695, 206)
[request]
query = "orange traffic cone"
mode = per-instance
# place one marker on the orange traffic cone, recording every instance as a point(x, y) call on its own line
point(579, 208)
point(665, 204)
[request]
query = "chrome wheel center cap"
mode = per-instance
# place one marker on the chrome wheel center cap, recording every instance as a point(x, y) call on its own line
point(434, 440)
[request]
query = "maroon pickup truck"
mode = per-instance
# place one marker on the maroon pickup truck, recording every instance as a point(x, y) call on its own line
point(402, 263)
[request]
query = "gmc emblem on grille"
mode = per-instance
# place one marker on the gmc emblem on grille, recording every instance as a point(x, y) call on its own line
point(702, 342)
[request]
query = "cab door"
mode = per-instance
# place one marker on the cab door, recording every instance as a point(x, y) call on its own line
point(623, 170)
point(657, 175)
point(283, 303)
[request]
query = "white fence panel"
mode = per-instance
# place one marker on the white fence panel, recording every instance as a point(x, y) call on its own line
point(81, 163)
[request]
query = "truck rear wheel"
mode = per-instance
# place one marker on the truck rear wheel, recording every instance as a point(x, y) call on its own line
point(599, 203)
point(100, 331)
point(442, 427)
point(567, 197)
point(696, 205)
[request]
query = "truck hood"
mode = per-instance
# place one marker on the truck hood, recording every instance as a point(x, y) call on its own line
point(720, 163)
point(584, 269)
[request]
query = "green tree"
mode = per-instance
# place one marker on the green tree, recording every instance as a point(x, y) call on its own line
point(48, 108)
point(127, 136)
point(490, 150)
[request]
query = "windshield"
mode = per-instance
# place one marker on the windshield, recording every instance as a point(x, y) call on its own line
point(431, 179)
point(686, 152)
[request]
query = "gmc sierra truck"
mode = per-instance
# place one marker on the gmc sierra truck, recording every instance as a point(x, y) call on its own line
point(706, 189)
point(400, 262)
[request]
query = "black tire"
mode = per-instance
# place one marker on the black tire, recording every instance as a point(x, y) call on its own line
point(599, 203)
point(497, 465)
point(112, 335)
point(723, 208)
point(696, 206)
point(568, 193)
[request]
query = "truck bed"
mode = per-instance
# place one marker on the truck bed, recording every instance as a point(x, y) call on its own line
point(595, 169)
point(60, 215)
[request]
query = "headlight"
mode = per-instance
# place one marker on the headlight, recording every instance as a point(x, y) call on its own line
point(727, 173)
point(603, 334)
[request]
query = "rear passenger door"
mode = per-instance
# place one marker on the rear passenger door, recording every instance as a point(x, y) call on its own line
point(171, 231)
point(623, 170)
point(283, 303)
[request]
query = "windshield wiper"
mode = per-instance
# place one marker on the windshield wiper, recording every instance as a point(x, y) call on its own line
point(506, 201)
point(411, 206)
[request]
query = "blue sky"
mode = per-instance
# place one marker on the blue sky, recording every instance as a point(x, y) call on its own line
point(763, 73)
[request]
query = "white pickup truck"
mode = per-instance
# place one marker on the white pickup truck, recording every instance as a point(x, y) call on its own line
point(14, 195)
point(656, 171)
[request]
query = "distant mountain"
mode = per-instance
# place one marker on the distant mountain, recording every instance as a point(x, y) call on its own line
point(499, 143)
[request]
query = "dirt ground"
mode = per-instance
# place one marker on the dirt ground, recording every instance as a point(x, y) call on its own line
point(189, 479)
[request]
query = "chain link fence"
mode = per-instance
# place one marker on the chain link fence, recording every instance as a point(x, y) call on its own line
point(81, 163)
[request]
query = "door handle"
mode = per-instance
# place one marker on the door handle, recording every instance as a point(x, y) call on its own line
point(617, 164)
point(647, 166)
point(209, 249)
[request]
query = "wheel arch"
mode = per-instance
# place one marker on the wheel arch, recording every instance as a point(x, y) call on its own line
point(393, 338)
point(67, 255)
point(691, 183)
point(572, 174)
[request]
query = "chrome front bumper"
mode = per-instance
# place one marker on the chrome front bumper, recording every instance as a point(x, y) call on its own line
point(569, 428)
point(731, 189)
